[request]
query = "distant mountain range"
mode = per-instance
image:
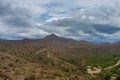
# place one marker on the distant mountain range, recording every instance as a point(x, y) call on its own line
point(67, 45)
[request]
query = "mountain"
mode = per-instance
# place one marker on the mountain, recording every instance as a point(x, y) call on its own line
point(51, 37)
point(66, 45)
point(55, 37)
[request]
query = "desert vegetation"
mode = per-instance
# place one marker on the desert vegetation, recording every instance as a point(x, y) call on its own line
point(42, 60)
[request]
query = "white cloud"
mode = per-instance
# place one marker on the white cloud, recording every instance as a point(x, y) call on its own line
point(70, 18)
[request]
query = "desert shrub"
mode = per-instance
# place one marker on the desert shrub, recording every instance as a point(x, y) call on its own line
point(116, 70)
point(2, 58)
point(118, 78)
point(30, 78)
point(10, 64)
point(16, 60)
point(102, 60)
point(72, 61)
point(106, 75)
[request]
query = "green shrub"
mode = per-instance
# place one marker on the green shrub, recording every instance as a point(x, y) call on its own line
point(118, 78)
point(106, 75)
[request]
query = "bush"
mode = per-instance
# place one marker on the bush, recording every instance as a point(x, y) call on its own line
point(72, 61)
point(30, 78)
point(118, 78)
point(10, 64)
point(106, 75)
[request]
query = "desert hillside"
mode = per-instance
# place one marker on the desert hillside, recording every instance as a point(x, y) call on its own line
point(56, 58)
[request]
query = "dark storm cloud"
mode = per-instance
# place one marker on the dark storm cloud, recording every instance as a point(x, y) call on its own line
point(18, 22)
point(77, 25)
point(106, 29)
point(13, 15)
point(4, 9)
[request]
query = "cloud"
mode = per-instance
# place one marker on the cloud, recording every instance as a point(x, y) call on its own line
point(14, 15)
point(101, 25)
point(15, 21)
point(106, 29)
point(79, 19)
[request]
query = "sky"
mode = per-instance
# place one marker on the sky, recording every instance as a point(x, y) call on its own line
point(91, 20)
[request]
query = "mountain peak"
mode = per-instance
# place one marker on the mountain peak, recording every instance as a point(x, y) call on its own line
point(51, 37)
